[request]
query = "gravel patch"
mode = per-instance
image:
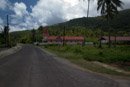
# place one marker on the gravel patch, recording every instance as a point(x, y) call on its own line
point(10, 51)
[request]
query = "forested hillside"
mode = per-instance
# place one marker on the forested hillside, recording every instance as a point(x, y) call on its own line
point(120, 23)
point(92, 26)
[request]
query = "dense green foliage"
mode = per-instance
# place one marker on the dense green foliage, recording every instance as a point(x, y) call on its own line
point(109, 8)
point(119, 55)
point(27, 36)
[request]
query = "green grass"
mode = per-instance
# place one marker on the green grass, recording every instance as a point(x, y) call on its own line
point(83, 55)
point(107, 55)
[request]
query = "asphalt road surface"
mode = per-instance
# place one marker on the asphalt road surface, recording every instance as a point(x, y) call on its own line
point(31, 67)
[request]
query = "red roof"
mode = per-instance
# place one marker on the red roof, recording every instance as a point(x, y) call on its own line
point(65, 38)
point(118, 38)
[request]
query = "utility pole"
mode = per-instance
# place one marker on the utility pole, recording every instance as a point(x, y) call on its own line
point(33, 35)
point(115, 38)
point(8, 21)
point(63, 35)
point(100, 40)
point(88, 8)
point(6, 33)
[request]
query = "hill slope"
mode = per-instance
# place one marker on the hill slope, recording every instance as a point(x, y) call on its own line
point(121, 22)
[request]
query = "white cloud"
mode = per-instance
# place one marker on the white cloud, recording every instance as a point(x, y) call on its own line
point(16, 28)
point(20, 9)
point(79, 9)
point(19, 21)
point(47, 12)
point(41, 14)
point(71, 2)
point(126, 4)
point(53, 11)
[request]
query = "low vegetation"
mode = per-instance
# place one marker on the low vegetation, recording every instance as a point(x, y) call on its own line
point(82, 55)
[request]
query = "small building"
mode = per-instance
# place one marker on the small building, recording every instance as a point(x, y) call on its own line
point(62, 39)
point(118, 39)
point(65, 39)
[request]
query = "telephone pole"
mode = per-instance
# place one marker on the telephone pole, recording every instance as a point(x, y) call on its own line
point(6, 33)
point(63, 35)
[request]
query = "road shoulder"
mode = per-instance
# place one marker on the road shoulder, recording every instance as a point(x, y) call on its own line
point(10, 51)
point(123, 81)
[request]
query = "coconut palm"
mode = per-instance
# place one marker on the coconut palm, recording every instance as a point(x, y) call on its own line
point(109, 9)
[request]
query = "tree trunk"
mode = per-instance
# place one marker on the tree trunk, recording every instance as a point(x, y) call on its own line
point(109, 35)
point(115, 39)
point(33, 36)
point(88, 8)
point(64, 36)
point(100, 43)
point(6, 36)
point(109, 44)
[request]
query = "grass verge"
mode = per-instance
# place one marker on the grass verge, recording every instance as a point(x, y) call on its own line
point(84, 57)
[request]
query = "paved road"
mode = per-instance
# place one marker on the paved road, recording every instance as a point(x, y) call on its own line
point(31, 67)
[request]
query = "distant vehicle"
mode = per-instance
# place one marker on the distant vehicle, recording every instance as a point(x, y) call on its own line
point(36, 43)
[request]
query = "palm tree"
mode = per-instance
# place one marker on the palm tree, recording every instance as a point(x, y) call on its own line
point(109, 9)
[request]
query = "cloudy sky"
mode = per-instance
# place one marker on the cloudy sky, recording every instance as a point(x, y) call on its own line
point(28, 14)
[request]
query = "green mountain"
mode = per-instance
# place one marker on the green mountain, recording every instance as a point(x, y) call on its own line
point(121, 22)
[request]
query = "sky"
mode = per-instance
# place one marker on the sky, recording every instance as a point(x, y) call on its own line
point(29, 14)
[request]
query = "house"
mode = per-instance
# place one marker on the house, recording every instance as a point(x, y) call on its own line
point(118, 39)
point(61, 39)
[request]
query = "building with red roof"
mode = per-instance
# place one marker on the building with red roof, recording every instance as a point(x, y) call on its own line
point(62, 39)
point(105, 39)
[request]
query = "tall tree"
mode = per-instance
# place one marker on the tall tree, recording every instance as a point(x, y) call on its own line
point(64, 34)
point(6, 34)
point(109, 9)
point(33, 35)
point(1, 36)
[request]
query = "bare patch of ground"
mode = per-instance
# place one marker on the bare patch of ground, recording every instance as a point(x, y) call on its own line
point(9, 51)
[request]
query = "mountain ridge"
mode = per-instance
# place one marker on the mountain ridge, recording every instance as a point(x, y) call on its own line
point(120, 22)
